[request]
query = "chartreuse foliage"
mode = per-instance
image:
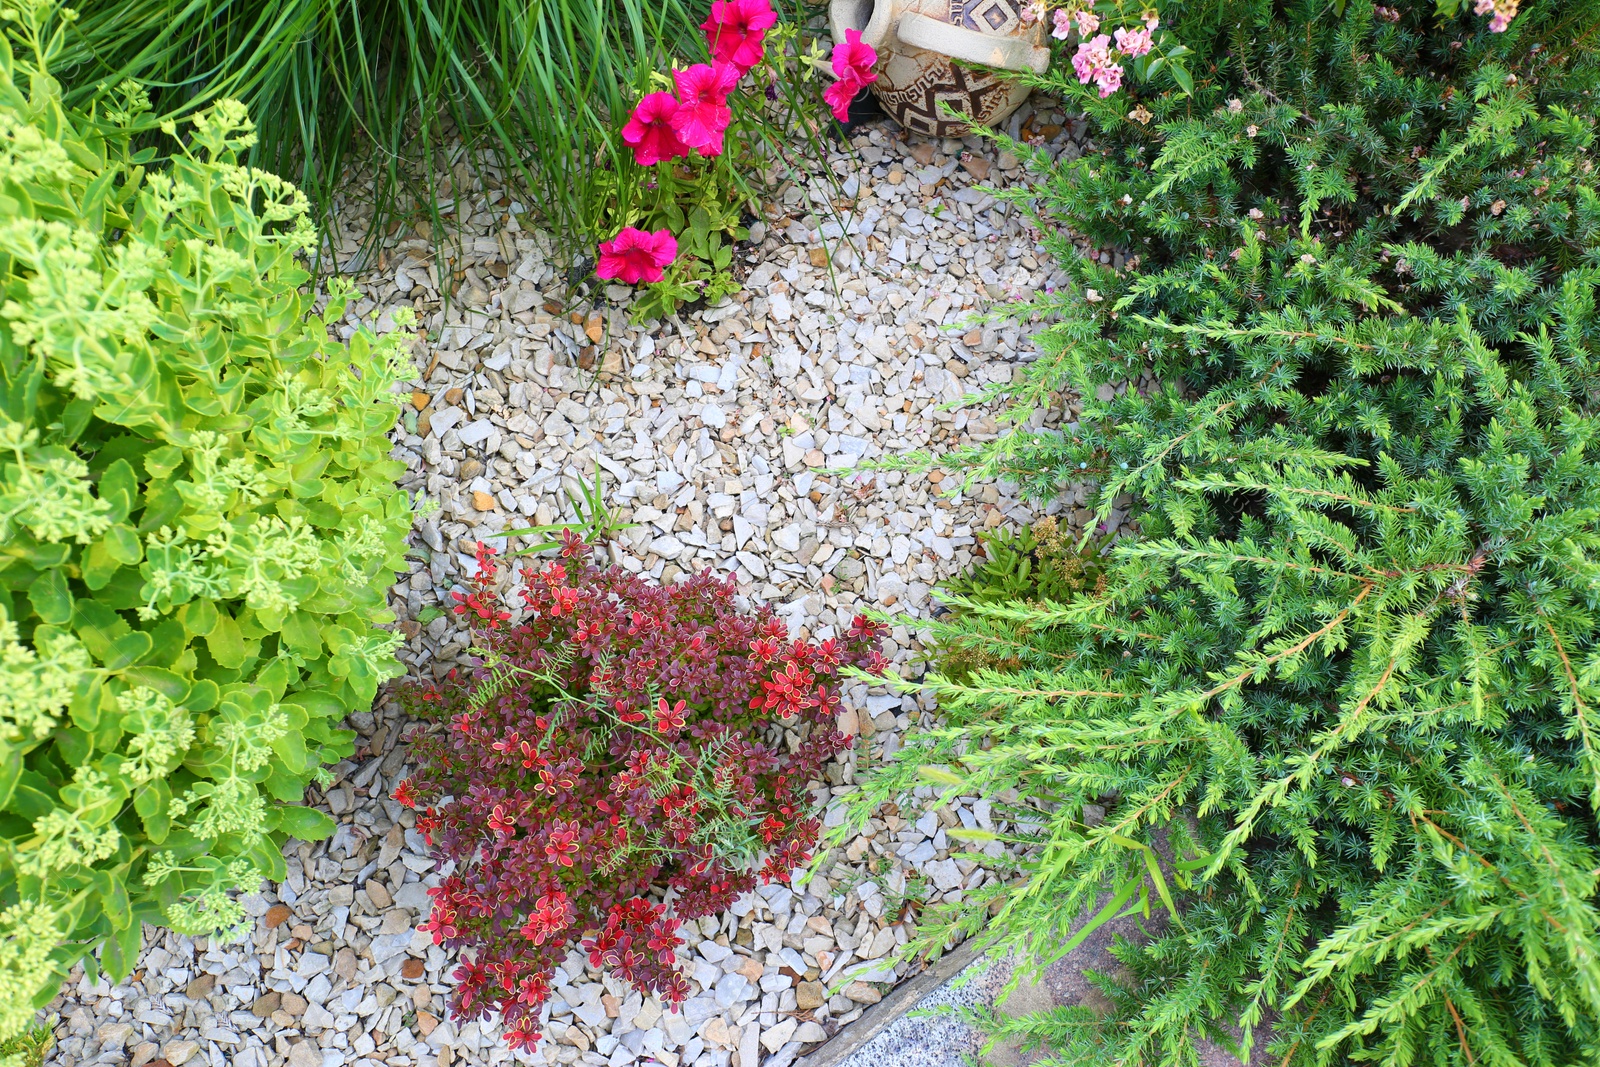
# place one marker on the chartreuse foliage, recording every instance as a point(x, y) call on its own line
point(197, 525)
point(1350, 673)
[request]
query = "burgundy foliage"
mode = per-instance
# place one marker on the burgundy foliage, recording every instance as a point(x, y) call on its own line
point(629, 726)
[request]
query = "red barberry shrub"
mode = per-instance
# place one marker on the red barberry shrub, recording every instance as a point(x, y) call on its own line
point(621, 735)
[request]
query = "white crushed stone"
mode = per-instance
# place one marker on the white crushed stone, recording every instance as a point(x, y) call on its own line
point(707, 427)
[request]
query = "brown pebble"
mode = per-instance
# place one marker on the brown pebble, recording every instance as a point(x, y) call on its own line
point(412, 969)
point(265, 1005)
point(277, 915)
point(977, 166)
point(294, 1004)
point(200, 988)
point(862, 993)
point(419, 399)
point(378, 893)
point(594, 327)
point(922, 152)
point(482, 501)
point(425, 1024)
point(809, 995)
point(936, 477)
point(454, 394)
point(818, 256)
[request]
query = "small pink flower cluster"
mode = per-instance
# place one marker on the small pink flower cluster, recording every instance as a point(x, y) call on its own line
point(1095, 60)
point(1501, 13)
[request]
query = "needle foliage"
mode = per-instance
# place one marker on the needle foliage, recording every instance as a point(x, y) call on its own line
point(1349, 673)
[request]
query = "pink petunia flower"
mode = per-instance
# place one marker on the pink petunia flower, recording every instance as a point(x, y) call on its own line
point(649, 130)
point(1088, 22)
point(636, 255)
point(1063, 23)
point(1133, 43)
point(853, 60)
point(1152, 21)
point(854, 56)
point(1032, 11)
point(736, 30)
point(703, 113)
point(839, 95)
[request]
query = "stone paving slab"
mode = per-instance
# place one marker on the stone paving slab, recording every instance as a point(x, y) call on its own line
point(909, 1029)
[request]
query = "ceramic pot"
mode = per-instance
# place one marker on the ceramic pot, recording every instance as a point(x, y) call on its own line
point(916, 41)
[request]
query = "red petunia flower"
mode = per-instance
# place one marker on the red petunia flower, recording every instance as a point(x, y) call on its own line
point(633, 255)
point(649, 130)
point(703, 113)
point(736, 30)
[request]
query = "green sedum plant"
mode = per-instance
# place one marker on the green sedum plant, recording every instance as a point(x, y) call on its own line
point(1032, 566)
point(1348, 679)
point(198, 522)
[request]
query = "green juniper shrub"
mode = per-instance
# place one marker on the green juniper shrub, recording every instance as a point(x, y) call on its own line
point(198, 523)
point(1350, 673)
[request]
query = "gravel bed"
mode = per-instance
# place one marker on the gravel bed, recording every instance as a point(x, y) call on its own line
point(712, 430)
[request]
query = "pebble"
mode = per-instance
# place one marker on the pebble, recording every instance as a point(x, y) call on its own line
point(733, 437)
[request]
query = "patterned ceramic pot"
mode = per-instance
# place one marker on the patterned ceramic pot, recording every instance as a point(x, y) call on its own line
point(916, 41)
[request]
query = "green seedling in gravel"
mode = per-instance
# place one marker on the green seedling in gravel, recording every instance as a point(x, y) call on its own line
point(594, 523)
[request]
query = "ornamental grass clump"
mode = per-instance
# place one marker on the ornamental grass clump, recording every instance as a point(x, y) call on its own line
point(198, 524)
point(620, 736)
point(1339, 702)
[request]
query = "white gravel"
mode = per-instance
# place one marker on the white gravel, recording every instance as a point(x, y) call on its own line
point(708, 427)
